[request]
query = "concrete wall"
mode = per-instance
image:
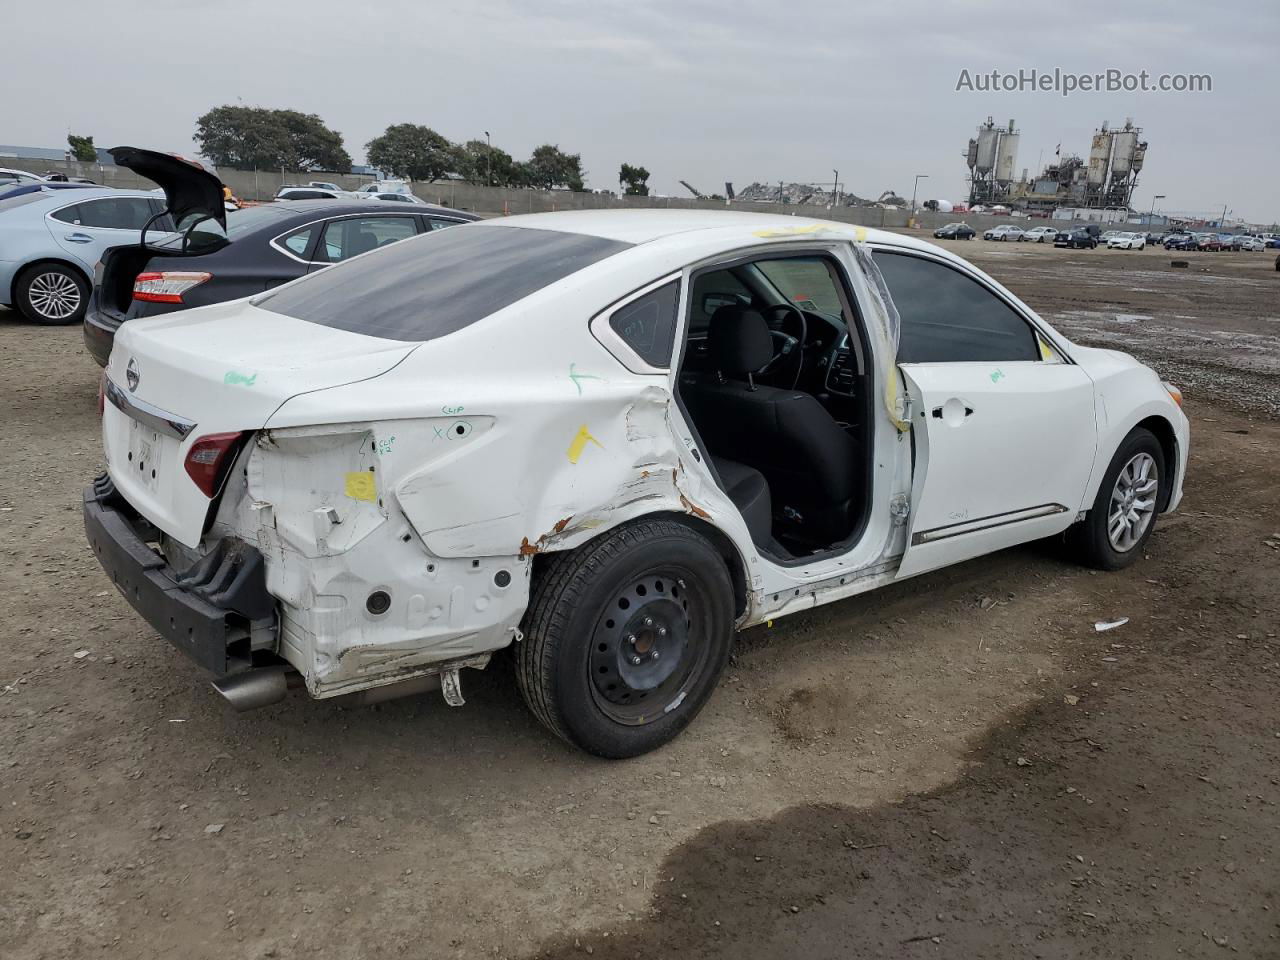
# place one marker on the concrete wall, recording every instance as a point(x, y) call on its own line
point(263, 184)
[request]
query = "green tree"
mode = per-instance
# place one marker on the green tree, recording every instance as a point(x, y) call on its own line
point(412, 151)
point(635, 180)
point(82, 148)
point(476, 161)
point(257, 137)
point(549, 167)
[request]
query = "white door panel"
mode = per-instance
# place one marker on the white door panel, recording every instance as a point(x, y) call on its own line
point(1003, 455)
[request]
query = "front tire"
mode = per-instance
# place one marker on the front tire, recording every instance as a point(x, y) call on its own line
point(1123, 516)
point(626, 637)
point(52, 294)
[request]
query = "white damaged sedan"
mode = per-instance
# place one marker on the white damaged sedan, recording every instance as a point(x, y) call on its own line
point(606, 440)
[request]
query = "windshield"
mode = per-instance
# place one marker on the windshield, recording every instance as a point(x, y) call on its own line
point(438, 282)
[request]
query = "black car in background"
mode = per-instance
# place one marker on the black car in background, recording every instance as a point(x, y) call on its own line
point(955, 231)
point(218, 256)
point(1180, 241)
point(1078, 238)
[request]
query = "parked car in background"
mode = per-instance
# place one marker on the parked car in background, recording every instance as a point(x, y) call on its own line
point(1211, 242)
point(1180, 241)
point(244, 252)
point(1040, 235)
point(395, 198)
point(1273, 240)
point(1127, 241)
point(1077, 238)
point(1107, 235)
point(386, 186)
point(10, 177)
point(325, 185)
point(51, 238)
point(389, 471)
point(53, 176)
point(1252, 244)
point(955, 231)
point(1003, 232)
point(1156, 239)
point(307, 193)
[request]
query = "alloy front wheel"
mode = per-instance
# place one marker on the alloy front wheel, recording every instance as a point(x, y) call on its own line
point(1133, 502)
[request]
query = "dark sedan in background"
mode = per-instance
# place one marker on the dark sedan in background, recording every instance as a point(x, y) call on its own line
point(261, 247)
point(1078, 238)
point(955, 231)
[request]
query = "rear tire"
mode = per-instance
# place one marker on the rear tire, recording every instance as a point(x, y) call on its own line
point(1114, 532)
point(626, 637)
point(52, 294)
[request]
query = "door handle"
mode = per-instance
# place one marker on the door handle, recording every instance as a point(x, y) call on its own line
point(78, 238)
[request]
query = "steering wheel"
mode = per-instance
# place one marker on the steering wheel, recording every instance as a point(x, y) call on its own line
point(785, 344)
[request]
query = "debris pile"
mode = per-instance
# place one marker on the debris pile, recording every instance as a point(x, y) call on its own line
point(812, 194)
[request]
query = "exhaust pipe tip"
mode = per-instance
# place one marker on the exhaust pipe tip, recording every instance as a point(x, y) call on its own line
point(251, 689)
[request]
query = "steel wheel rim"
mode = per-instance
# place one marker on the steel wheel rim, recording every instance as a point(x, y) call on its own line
point(54, 295)
point(659, 612)
point(1133, 502)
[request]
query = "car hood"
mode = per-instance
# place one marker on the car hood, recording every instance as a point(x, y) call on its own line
point(188, 187)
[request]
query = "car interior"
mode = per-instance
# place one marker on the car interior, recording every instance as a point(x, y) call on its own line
point(775, 381)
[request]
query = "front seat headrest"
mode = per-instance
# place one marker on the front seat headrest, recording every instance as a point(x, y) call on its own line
point(739, 340)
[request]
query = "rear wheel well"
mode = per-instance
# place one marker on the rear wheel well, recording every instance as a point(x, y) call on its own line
point(728, 551)
point(20, 273)
point(1163, 431)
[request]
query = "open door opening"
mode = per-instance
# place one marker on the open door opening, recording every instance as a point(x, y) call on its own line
point(775, 382)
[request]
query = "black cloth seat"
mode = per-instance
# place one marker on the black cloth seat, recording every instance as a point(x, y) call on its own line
point(812, 465)
point(749, 491)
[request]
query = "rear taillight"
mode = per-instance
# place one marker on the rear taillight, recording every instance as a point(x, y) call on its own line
point(208, 459)
point(166, 286)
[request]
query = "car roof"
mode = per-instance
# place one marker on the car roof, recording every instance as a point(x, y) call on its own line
point(345, 205)
point(91, 193)
point(655, 226)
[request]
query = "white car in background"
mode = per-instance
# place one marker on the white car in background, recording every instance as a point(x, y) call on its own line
point(9, 177)
point(1040, 235)
point(1127, 241)
point(1003, 232)
point(608, 439)
point(1252, 244)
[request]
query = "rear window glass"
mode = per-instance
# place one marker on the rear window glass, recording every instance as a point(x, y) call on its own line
point(208, 232)
point(439, 282)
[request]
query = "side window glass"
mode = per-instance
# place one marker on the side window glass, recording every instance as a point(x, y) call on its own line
point(69, 214)
point(298, 241)
point(344, 239)
point(949, 318)
point(115, 213)
point(434, 224)
point(648, 324)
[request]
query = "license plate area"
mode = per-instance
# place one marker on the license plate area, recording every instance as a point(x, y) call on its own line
point(146, 455)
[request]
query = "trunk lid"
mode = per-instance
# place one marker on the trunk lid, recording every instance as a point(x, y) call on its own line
point(188, 187)
point(226, 368)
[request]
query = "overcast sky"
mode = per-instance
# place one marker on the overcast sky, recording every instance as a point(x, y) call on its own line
point(691, 89)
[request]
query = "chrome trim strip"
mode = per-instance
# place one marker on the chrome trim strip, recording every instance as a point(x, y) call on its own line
point(161, 421)
point(985, 523)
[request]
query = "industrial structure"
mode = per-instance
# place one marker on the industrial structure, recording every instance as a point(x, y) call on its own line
point(1105, 181)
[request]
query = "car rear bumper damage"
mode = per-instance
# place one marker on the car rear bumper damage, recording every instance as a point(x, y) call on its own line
point(217, 612)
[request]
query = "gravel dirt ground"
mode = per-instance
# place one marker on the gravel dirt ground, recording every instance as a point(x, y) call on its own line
point(958, 766)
